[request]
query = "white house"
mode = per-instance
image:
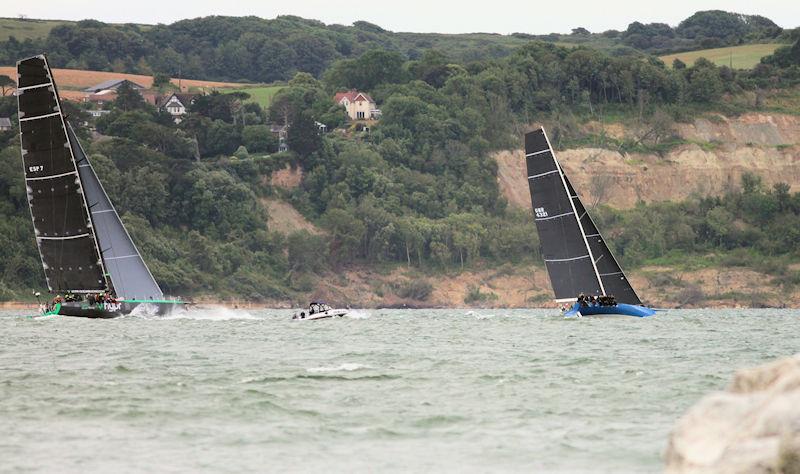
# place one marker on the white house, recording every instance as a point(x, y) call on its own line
point(176, 105)
point(359, 105)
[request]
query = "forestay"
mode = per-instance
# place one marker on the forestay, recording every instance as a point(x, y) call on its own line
point(129, 274)
point(575, 254)
point(64, 233)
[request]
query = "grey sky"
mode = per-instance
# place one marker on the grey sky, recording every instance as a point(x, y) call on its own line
point(496, 16)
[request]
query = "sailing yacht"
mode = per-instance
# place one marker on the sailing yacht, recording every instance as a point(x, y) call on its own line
point(581, 267)
point(86, 251)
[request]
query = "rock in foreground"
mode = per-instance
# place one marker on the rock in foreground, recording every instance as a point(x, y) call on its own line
point(752, 427)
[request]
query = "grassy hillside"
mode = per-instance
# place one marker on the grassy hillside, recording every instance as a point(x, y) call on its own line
point(25, 29)
point(742, 57)
point(261, 95)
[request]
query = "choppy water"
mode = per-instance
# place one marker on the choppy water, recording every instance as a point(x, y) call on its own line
point(385, 390)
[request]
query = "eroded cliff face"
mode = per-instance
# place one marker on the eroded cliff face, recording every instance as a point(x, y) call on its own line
point(721, 150)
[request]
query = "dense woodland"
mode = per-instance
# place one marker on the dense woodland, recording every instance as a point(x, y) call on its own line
point(259, 50)
point(419, 190)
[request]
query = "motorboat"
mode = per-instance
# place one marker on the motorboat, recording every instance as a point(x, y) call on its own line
point(319, 310)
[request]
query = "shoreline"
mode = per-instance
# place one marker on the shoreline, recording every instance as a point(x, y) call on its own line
point(272, 304)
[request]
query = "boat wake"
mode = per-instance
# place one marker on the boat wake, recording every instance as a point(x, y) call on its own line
point(212, 313)
point(357, 314)
point(144, 310)
point(205, 313)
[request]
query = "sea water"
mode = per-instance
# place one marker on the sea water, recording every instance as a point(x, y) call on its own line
point(452, 390)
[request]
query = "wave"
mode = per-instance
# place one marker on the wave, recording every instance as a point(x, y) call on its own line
point(344, 367)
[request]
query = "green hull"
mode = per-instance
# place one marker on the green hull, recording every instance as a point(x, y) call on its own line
point(112, 310)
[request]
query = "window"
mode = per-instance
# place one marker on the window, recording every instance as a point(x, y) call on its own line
point(360, 115)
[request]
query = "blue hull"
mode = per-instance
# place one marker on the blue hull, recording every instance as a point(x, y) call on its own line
point(620, 309)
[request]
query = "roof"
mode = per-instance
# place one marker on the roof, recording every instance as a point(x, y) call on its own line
point(5, 122)
point(105, 96)
point(352, 96)
point(112, 84)
point(184, 99)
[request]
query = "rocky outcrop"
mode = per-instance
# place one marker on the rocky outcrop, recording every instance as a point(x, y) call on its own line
point(752, 427)
point(718, 151)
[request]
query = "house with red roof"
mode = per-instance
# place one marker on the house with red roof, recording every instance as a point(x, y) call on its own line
point(359, 105)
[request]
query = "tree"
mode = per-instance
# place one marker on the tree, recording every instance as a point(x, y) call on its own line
point(346, 232)
point(373, 68)
point(304, 138)
point(705, 84)
point(220, 205)
point(306, 251)
point(160, 79)
point(129, 98)
point(7, 85)
point(259, 139)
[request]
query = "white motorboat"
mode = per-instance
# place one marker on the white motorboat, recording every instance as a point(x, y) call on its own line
point(319, 310)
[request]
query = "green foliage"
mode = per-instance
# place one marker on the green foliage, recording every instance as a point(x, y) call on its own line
point(304, 136)
point(259, 139)
point(129, 99)
point(160, 79)
point(306, 252)
point(370, 70)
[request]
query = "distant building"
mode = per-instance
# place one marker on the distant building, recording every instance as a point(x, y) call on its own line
point(101, 98)
point(282, 132)
point(5, 124)
point(113, 85)
point(98, 112)
point(359, 105)
point(177, 104)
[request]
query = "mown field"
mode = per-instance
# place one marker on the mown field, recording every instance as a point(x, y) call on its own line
point(742, 57)
point(71, 82)
point(261, 95)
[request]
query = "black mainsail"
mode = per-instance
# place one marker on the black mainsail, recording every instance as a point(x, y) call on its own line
point(64, 233)
point(82, 242)
point(575, 254)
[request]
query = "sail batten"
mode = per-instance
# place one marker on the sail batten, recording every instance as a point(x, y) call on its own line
point(576, 257)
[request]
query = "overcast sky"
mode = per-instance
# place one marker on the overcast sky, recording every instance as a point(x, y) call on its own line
point(494, 16)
